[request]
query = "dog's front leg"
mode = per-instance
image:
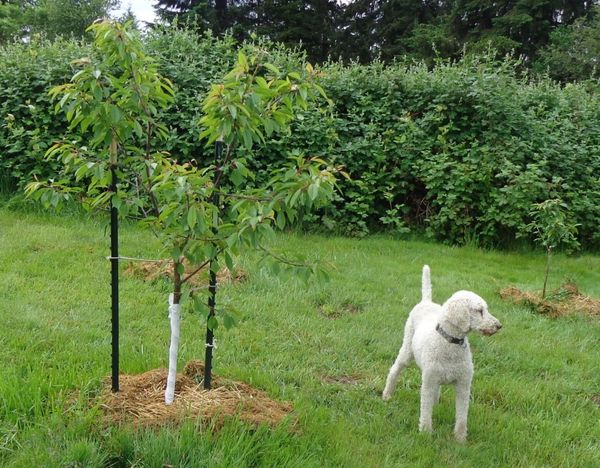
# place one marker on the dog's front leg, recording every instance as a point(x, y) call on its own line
point(429, 394)
point(463, 392)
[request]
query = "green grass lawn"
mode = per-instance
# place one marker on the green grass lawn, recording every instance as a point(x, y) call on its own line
point(536, 391)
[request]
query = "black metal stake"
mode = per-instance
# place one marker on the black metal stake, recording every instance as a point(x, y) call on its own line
point(212, 285)
point(212, 288)
point(114, 275)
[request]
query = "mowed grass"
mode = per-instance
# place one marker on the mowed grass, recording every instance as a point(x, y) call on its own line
point(324, 347)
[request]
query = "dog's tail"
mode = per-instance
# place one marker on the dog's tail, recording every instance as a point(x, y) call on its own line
point(426, 284)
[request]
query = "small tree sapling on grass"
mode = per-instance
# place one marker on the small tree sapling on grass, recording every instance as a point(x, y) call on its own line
point(209, 214)
point(204, 213)
point(552, 228)
point(111, 104)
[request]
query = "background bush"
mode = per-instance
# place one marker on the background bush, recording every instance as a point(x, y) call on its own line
point(461, 150)
point(28, 125)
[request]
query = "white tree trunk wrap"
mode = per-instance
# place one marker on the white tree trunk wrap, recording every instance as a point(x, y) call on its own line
point(174, 310)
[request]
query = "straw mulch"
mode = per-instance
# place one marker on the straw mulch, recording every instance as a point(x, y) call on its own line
point(152, 271)
point(565, 300)
point(141, 400)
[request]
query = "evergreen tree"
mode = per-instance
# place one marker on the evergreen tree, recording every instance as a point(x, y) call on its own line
point(216, 15)
point(520, 25)
point(293, 22)
point(358, 31)
point(363, 30)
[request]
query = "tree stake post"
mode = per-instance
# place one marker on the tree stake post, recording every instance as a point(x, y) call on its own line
point(114, 273)
point(212, 285)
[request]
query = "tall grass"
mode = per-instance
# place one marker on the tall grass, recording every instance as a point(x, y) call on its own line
point(325, 347)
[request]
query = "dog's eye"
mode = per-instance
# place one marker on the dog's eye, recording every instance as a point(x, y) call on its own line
point(480, 310)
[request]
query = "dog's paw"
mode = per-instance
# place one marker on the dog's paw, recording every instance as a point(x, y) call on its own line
point(460, 436)
point(425, 427)
point(386, 396)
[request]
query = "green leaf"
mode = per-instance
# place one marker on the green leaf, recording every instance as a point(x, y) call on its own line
point(199, 306)
point(313, 191)
point(192, 217)
point(176, 253)
point(228, 260)
point(262, 82)
point(247, 138)
point(116, 201)
point(236, 177)
point(242, 59)
point(272, 68)
point(212, 323)
point(280, 220)
point(180, 268)
point(81, 172)
point(228, 321)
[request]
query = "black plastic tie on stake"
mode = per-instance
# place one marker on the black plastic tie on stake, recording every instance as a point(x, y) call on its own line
point(212, 285)
point(114, 275)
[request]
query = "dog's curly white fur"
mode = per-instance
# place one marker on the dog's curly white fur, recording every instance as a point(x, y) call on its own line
point(436, 338)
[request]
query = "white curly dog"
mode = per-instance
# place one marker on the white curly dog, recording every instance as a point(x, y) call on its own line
point(436, 338)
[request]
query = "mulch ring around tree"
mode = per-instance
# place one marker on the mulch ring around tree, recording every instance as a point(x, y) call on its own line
point(565, 300)
point(163, 269)
point(141, 400)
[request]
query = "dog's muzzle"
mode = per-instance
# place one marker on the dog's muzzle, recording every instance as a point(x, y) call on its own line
point(492, 331)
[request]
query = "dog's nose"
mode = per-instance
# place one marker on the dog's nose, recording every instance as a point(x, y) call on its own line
point(498, 325)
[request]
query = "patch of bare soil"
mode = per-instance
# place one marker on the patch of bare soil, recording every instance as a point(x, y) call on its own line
point(565, 300)
point(152, 271)
point(335, 311)
point(342, 379)
point(141, 400)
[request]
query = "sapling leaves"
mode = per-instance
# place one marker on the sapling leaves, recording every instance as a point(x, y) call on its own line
point(108, 103)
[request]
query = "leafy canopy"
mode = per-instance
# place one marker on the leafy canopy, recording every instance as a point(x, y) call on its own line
point(201, 213)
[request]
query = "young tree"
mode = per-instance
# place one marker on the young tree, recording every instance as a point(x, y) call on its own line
point(111, 104)
point(209, 214)
point(552, 228)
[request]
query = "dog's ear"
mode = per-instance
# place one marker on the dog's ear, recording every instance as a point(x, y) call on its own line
point(457, 314)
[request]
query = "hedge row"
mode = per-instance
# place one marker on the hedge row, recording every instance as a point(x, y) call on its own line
point(461, 150)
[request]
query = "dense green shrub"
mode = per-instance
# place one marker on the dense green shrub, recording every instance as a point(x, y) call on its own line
point(461, 151)
point(28, 125)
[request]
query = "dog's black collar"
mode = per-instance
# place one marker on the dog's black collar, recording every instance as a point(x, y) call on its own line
point(449, 338)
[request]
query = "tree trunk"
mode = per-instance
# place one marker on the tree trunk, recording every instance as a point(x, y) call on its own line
point(174, 313)
point(547, 272)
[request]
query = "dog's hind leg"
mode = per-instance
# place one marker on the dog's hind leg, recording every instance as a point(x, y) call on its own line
point(402, 360)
